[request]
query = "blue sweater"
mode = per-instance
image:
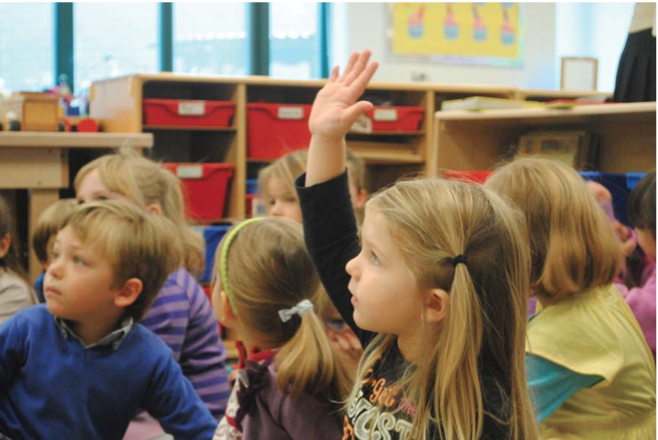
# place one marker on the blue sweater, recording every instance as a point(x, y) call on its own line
point(51, 387)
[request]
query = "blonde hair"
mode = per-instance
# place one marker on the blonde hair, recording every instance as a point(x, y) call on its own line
point(287, 168)
point(269, 270)
point(138, 244)
point(432, 221)
point(145, 183)
point(573, 244)
point(49, 223)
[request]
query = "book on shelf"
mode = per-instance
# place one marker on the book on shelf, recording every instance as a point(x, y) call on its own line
point(578, 149)
point(476, 103)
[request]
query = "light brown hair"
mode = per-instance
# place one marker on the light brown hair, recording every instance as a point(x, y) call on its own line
point(432, 221)
point(137, 243)
point(572, 241)
point(145, 183)
point(12, 260)
point(287, 168)
point(49, 224)
point(269, 270)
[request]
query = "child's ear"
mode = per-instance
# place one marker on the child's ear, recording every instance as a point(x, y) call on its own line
point(154, 208)
point(128, 293)
point(5, 244)
point(361, 199)
point(228, 318)
point(437, 305)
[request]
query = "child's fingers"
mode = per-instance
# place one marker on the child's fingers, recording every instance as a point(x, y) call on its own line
point(350, 65)
point(361, 82)
point(334, 74)
point(357, 69)
point(354, 111)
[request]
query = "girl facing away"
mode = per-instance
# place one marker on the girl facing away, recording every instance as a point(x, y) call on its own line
point(277, 182)
point(436, 291)
point(288, 375)
point(181, 314)
point(591, 373)
point(15, 292)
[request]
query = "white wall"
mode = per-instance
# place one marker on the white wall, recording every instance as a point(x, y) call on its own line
point(367, 30)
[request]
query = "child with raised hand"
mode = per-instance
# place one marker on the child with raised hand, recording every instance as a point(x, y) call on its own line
point(289, 378)
point(590, 370)
point(80, 366)
point(642, 214)
point(277, 182)
point(437, 294)
point(15, 292)
point(181, 314)
point(49, 223)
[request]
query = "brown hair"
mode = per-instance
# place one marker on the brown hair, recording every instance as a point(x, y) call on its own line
point(642, 204)
point(137, 243)
point(12, 260)
point(573, 244)
point(269, 270)
point(432, 221)
point(49, 223)
point(145, 183)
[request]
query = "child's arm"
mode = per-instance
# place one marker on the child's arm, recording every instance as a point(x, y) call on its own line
point(334, 111)
point(329, 225)
point(172, 401)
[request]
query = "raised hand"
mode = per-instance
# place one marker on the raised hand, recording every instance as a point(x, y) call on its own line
point(335, 108)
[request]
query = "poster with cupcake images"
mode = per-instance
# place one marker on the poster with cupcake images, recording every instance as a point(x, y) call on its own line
point(457, 33)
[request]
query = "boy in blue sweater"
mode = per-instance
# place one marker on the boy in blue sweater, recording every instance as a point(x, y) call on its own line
point(81, 366)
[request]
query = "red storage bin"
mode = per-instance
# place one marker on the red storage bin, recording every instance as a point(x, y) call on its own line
point(188, 113)
point(205, 186)
point(467, 176)
point(396, 118)
point(274, 130)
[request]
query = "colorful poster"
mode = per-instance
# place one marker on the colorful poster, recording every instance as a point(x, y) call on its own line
point(457, 33)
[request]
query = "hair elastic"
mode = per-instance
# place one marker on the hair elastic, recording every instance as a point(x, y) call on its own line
point(223, 267)
point(301, 309)
point(461, 258)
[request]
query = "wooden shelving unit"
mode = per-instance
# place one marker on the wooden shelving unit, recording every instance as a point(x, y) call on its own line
point(476, 141)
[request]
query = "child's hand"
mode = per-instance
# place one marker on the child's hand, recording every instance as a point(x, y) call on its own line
point(335, 108)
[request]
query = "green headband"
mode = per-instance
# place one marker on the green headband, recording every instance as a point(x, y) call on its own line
point(223, 267)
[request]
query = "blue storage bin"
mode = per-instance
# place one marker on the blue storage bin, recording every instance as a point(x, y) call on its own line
point(619, 185)
point(633, 178)
point(252, 186)
point(212, 236)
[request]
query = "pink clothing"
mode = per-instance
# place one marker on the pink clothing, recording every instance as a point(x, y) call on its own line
point(642, 301)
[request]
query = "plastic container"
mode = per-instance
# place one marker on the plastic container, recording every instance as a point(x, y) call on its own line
point(619, 185)
point(396, 118)
point(178, 112)
point(274, 130)
point(212, 235)
point(205, 186)
point(252, 186)
point(467, 176)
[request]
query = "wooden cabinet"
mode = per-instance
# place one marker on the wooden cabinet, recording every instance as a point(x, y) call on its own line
point(477, 141)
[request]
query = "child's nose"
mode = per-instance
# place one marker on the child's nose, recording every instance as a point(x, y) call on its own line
point(276, 210)
point(55, 268)
point(352, 268)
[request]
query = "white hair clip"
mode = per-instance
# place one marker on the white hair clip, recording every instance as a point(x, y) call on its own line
point(301, 309)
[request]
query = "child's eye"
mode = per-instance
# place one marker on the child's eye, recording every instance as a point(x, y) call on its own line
point(79, 261)
point(55, 255)
point(375, 259)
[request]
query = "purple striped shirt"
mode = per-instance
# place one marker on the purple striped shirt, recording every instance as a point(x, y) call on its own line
point(182, 317)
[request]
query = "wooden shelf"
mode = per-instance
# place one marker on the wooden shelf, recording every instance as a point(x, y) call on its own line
point(387, 133)
point(188, 128)
point(74, 140)
point(475, 141)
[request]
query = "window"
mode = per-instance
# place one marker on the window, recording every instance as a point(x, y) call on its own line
point(114, 39)
point(211, 38)
point(26, 46)
point(294, 40)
